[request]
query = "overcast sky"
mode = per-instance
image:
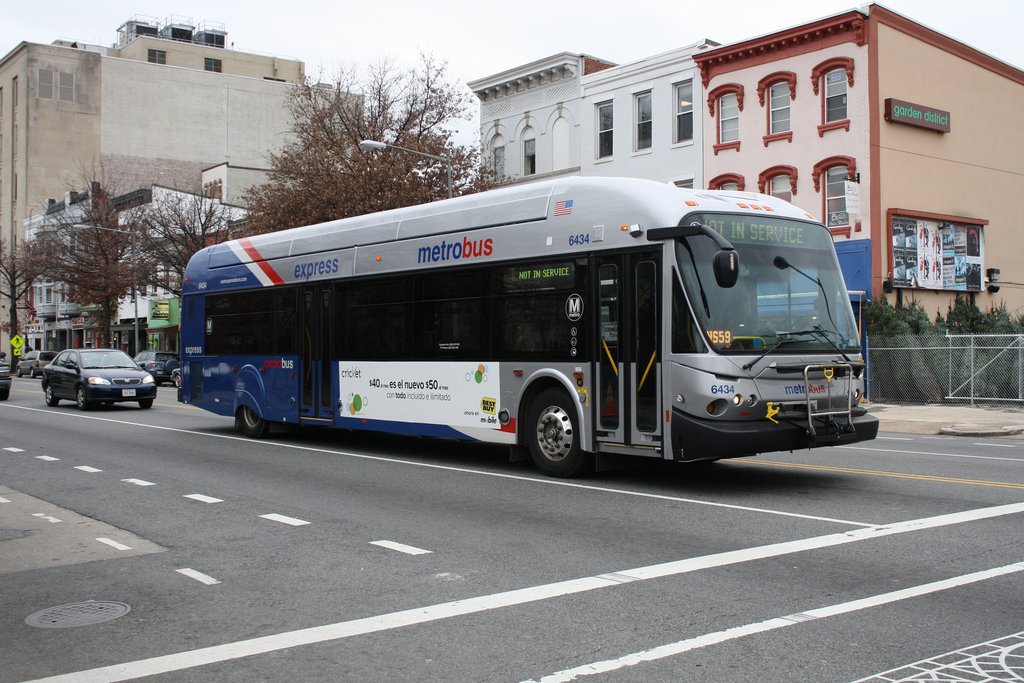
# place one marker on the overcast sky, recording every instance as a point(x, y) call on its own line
point(479, 38)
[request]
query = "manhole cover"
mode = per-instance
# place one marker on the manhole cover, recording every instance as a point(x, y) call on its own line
point(77, 614)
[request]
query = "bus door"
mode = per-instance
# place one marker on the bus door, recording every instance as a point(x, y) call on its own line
point(628, 401)
point(314, 371)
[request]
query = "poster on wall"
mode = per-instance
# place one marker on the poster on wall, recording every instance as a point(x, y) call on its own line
point(936, 255)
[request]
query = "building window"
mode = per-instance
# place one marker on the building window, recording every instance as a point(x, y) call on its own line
point(727, 181)
point(835, 197)
point(529, 152)
point(833, 78)
point(498, 156)
point(684, 112)
point(644, 121)
point(605, 120)
point(728, 118)
point(778, 108)
point(62, 89)
point(835, 96)
point(778, 181)
point(728, 99)
point(45, 84)
point(211, 64)
point(780, 187)
point(157, 56)
point(67, 87)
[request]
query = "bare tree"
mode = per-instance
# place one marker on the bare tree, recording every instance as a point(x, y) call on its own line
point(323, 175)
point(95, 263)
point(173, 227)
point(19, 267)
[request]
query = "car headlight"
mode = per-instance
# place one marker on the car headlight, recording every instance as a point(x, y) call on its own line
point(98, 380)
point(147, 379)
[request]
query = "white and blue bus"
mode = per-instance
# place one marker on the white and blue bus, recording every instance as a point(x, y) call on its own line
point(567, 319)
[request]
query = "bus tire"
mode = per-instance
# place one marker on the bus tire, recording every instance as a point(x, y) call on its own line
point(552, 433)
point(249, 422)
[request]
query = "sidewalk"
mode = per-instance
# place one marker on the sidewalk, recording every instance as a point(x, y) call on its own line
point(965, 420)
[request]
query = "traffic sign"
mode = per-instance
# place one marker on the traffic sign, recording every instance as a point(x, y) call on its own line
point(17, 341)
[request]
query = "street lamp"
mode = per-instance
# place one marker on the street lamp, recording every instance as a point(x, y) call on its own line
point(135, 288)
point(374, 146)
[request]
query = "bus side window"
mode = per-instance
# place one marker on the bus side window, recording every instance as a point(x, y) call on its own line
point(686, 337)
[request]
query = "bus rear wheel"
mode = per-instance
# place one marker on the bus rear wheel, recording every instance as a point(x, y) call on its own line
point(553, 435)
point(250, 423)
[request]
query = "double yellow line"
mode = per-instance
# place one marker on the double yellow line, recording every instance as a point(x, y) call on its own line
point(882, 473)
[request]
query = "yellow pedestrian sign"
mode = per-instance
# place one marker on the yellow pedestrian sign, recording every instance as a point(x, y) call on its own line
point(17, 341)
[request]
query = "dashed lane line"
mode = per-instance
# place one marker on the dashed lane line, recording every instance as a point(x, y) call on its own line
point(190, 659)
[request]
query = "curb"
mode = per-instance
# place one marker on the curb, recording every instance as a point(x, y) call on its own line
point(979, 430)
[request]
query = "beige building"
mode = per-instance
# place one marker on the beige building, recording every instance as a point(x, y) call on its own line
point(905, 142)
point(160, 106)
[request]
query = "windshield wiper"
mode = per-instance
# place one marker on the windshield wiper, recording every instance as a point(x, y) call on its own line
point(824, 333)
point(787, 339)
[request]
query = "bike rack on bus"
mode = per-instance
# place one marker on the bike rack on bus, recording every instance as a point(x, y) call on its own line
point(831, 372)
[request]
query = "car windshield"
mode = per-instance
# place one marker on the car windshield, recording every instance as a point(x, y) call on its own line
point(107, 359)
point(790, 288)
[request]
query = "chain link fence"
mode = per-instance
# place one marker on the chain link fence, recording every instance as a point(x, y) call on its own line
point(960, 369)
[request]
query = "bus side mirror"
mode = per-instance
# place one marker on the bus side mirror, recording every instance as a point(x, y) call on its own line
point(726, 264)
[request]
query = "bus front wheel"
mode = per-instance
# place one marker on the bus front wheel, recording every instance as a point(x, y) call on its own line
point(553, 435)
point(250, 423)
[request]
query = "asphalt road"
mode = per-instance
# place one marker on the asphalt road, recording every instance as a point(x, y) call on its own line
point(317, 555)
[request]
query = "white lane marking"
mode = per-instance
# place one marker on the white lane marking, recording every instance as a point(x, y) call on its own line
point(198, 576)
point(86, 468)
point(12, 449)
point(114, 544)
point(48, 518)
point(673, 649)
point(250, 443)
point(893, 438)
point(47, 458)
point(996, 445)
point(203, 499)
point(4, 500)
point(139, 482)
point(274, 517)
point(944, 455)
point(447, 610)
point(401, 547)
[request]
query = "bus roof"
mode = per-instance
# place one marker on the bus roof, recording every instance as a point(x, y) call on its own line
point(575, 201)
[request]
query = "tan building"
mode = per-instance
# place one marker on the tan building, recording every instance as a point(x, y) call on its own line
point(905, 142)
point(160, 106)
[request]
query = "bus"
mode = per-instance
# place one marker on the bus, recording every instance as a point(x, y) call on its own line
point(568, 319)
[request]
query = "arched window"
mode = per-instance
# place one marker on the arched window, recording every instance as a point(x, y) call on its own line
point(560, 144)
point(498, 155)
point(835, 170)
point(777, 90)
point(727, 181)
point(529, 151)
point(778, 181)
point(728, 99)
point(833, 78)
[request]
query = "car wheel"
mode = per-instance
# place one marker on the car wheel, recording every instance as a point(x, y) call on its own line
point(51, 400)
point(18, 373)
point(33, 374)
point(81, 401)
point(5, 394)
point(146, 403)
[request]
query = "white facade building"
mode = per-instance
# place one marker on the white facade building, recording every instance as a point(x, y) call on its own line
point(573, 114)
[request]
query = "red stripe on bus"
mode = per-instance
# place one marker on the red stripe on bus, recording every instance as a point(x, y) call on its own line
point(258, 260)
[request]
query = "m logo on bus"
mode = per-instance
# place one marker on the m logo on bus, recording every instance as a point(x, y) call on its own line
point(574, 307)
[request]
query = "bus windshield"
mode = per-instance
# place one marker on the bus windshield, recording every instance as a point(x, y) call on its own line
point(790, 290)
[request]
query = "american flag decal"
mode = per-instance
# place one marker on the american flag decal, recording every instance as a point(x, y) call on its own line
point(563, 208)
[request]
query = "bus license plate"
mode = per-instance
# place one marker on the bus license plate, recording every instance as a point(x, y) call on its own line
point(127, 392)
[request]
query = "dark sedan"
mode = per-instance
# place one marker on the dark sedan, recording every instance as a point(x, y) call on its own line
point(91, 376)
